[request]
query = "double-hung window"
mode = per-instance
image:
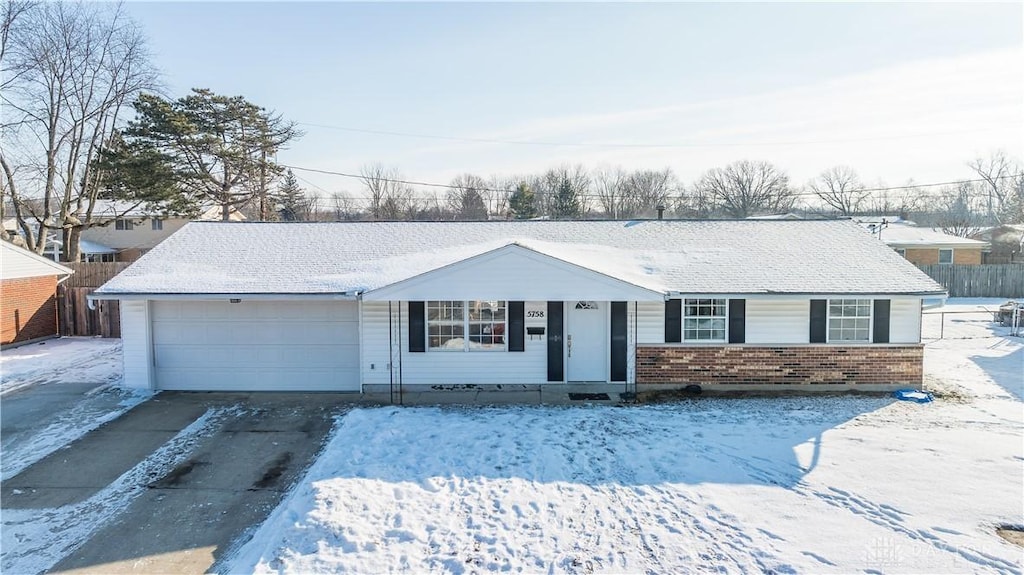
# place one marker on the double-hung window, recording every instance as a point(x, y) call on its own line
point(704, 319)
point(123, 224)
point(849, 320)
point(466, 325)
point(157, 224)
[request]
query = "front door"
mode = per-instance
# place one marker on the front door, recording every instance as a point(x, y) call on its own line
point(586, 341)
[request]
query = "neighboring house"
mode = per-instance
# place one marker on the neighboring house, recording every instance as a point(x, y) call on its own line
point(28, 294)
point(927, 246)
point(129, 233)
point(124, 232)
point(663, 304)
point(1006, 241)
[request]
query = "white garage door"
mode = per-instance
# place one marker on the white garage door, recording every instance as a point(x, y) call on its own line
point(256, 345)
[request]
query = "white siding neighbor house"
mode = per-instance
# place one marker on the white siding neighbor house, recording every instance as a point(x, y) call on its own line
point(366, 306)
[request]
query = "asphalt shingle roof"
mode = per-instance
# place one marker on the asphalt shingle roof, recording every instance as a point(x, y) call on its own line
point(694, 257)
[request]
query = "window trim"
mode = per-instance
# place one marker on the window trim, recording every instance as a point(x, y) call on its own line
point(829, 317)
point(951, 256)
point(466, 327)
point(724, 317)
point(156, 225)
point(124, 224)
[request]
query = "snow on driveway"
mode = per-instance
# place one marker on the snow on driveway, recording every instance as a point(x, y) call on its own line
point(68, 387)
point(809, 484)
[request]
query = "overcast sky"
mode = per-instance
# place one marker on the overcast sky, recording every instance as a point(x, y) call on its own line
point(896, 91)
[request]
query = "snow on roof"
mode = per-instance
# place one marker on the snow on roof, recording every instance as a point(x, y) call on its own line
point(17, 262)
point(721, 257)
point(903, 235)
point(121, 209)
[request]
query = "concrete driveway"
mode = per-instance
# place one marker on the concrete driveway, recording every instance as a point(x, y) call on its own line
point(169, 486)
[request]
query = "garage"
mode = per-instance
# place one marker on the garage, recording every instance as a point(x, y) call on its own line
point(255, 345)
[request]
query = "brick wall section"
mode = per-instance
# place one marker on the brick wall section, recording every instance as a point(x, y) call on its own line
point(809, 364)
point(28, 308)
point(930, 256)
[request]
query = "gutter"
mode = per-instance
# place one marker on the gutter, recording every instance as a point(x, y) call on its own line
point(344, 296)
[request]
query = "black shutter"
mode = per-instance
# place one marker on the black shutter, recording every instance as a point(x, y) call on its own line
point(556, 371)
point(737, 321)
point(417, 327)
point(619, 341)
point(819, 320)
point(880, 332)
point(674, 321)
point(516, 326)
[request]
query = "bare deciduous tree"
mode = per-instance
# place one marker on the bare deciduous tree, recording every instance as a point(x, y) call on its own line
point(466, 197)
point(743, 189)
point(1003, 201)
point(644, 190)
point(960, 210)
point(607, 185)
point(70, 70)
point(839, 189)
point(390, 199)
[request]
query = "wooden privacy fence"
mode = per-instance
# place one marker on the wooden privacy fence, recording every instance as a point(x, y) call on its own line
point(997, 280)
point(73, 311)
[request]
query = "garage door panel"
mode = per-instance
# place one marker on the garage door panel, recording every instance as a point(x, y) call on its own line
point(256, 345)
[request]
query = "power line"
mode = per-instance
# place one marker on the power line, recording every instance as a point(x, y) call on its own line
point(505, 191)
point(636, 145)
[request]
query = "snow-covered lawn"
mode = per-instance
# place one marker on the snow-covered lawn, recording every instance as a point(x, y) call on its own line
point(809, 484)
point(64, 360)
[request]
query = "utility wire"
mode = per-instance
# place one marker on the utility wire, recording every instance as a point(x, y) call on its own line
point(635, 145)
point(505, 191)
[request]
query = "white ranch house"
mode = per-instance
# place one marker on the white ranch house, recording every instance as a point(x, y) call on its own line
point(365, 306)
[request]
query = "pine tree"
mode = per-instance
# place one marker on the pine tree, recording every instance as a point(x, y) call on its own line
point(523, 203)
point(291, 199)
point(566, 204)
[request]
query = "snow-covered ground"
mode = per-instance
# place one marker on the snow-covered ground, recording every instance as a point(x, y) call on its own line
point(810, 484)
point(52, 366)
point(64, 360)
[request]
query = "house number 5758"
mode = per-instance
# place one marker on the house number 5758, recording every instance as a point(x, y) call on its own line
point(535, 313)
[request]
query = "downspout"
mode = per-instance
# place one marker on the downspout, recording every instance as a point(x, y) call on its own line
point(391, 352)
point(401, 396)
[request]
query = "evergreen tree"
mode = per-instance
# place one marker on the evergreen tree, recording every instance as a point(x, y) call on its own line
point(523, 203)
point(291, 199)
point(220, 147)
point(566, 203)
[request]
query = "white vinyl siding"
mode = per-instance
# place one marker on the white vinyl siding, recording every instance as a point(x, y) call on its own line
point(380, 348)
point(650, 327)
point(256, 345)
point(905, 321)
point(135, 344)
point(778, 321)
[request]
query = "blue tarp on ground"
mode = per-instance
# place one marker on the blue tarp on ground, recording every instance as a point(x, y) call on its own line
point(912, 395)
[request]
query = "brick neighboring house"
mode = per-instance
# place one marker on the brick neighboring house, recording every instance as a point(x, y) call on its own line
point(28, 295)
point(928, 246)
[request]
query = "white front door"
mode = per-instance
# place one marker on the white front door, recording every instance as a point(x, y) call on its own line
point(586, 341)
